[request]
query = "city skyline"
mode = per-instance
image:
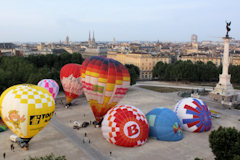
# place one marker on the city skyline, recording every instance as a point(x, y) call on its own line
point(52, 21)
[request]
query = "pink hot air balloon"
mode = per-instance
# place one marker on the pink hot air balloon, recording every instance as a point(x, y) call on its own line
point(50, 85)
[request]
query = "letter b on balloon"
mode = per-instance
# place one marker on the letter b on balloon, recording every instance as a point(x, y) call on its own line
point(131, 129)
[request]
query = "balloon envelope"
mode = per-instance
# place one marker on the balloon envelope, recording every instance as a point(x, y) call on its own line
point(50, 85)
point(3, 127)
point(125, 125)
point(194, 115)
point(105, 82)
point(164, 125)
point(71, 81)
point(26, 109)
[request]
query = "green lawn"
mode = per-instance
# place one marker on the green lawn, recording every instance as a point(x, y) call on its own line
point(162, 89)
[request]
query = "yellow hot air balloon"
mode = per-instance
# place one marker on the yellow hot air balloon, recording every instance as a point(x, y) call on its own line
point(26, 109)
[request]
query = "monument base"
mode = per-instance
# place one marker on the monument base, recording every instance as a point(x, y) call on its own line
point(226, 101)
point(224, 92)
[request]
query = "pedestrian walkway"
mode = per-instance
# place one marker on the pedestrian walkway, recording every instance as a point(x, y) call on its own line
point(77, 140)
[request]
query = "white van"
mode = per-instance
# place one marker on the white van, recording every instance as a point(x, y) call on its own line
point(14, 138)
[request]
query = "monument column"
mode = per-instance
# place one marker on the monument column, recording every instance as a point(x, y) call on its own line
point(226, 56)
point(224, 78)
point(224, 92)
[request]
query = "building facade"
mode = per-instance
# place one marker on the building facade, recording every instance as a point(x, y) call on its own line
point(144, 61)
point(217, 60)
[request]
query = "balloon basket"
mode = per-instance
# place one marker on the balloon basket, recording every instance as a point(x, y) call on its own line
point(26, 148)
point(97, 124)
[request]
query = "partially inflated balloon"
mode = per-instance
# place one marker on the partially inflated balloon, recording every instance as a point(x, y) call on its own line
point(26, 109)
point(125, 125)
point(105, 82)
point(70, 76)
point(3, 127)
point(50, 85)
point(164, 125)
point(194, 115)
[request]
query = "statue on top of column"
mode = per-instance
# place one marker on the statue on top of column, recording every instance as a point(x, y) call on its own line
point(228, 28)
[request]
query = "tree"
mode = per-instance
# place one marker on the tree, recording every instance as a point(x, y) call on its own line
point(134, 73)
point(159, 70)
point(17, 70)
point(211, 71)
point(48, 157)
point(225, 143)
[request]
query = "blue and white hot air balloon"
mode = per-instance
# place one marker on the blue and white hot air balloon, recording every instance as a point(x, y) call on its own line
point(194, 115)
point(164, 125)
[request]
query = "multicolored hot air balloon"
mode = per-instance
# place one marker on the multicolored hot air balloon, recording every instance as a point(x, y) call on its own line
point(50, 85)
point(125, 125)
point(164, 125)
point(3, 127)
point(194, 115)
point(26, 109)
point(105, 82)
point(70, 76)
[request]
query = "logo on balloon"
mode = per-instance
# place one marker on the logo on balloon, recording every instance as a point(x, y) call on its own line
point(15, 118)
point(177, 128)
point(131, 129)
point(35, 119)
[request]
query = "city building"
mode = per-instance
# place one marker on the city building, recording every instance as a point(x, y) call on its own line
point(8, 49)
point(195, 57)
point(67, 41)
point(93, 49)
point(98, 51)
point(144, 61)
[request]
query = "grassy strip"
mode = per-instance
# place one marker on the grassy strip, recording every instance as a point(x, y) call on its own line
point(162, 89)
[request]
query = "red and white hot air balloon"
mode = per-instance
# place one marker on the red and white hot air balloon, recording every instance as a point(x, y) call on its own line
point(70, 76)
point(125, 125)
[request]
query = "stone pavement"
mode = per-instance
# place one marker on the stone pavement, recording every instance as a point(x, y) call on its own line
point(60, 141)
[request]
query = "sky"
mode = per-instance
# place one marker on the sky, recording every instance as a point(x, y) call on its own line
point(124, 20)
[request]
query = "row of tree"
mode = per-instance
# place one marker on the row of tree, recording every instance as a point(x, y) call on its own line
point(18, 70)
point(188, 71)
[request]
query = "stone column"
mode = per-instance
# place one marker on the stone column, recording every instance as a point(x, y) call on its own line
point(224, 78)
point(226, 56)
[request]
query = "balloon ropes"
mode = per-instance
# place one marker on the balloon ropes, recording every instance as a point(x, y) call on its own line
point(105, 82)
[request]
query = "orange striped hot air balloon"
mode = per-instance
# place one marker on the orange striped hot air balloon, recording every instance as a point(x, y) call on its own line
point(70, 76)
point(105, 81)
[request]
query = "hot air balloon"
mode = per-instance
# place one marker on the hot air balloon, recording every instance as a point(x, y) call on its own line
point(50, 85)
point(71, 81)
point(164, 125)
point(125, 125)
point(194, 115)
point(26, 109)
point(3, 127)
point(105, 82)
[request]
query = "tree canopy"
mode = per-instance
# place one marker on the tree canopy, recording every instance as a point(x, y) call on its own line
point(134, 73)
point(188, 71)
point(17, 70)
point(225, 143)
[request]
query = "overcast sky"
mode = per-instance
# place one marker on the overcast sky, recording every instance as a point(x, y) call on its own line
point(126, 20)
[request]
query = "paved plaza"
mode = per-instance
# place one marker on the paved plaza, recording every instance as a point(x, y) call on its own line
point(60, 138)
